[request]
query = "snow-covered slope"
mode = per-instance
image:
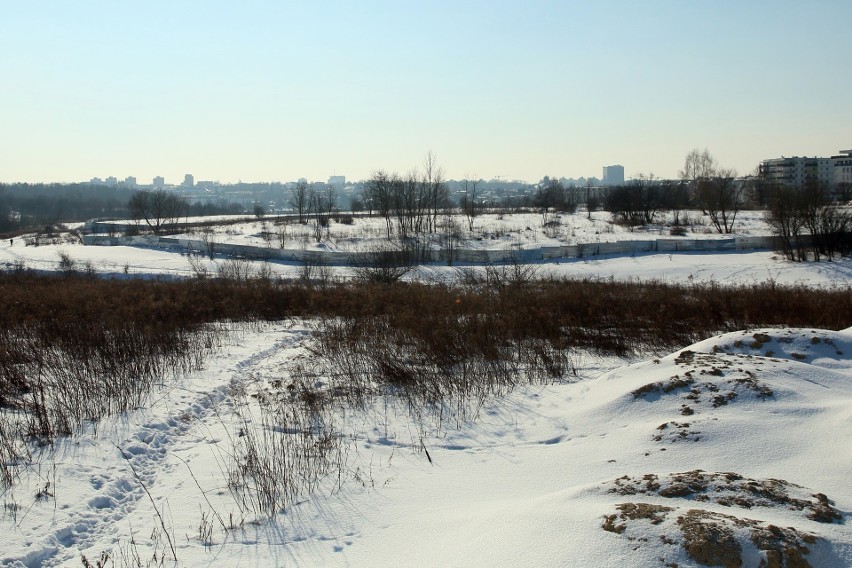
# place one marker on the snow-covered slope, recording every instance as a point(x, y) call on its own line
point(494, 232)
point(735, 448)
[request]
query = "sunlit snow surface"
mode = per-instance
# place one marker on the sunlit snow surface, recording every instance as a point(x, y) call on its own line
point(491, 232)
point(530, 482)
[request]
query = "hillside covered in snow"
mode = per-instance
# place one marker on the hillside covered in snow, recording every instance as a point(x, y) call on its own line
point(552, 414)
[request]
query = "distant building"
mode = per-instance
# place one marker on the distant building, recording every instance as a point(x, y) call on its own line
point(96, 181)
point(613, 175)
point(843, 168)
point(834, 172)
point(337, 182)
point(797, 170)
point(130, 181)
point(188, 181)
point(159, 182)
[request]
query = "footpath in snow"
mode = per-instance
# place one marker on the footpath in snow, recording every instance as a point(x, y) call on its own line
point(736, 448)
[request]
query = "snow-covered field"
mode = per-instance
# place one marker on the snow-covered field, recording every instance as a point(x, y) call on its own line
point(490, 232)
point(735, 448)
point(601, 471)
point(486, 231)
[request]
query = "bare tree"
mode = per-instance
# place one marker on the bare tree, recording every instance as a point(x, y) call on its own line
point(553, 195)
point(834, 227)
point(469, 206)
point(804, 219)
point(436, 193)
point(698, 165)
point(721, 198)
point(717, 191)
point(158, 208)
point(378, 195)
point(330, 198)
point(649, 196)
point(299, 200)
point(674, 196)
point(590, 204)
point(826, 223)
point(320, 204)
point(450, 238)
point(636, 203)
point(782, 215)
point(408, 201)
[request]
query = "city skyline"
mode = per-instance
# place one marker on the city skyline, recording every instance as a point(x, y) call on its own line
point(283, 90)
point(332, 180)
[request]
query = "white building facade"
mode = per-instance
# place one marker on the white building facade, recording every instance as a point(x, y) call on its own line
point(613, 175)
point(832, 172)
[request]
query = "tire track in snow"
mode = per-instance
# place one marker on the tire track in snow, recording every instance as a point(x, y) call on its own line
point(117, 490)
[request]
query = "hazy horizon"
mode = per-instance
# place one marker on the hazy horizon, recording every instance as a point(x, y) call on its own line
point(276, 91)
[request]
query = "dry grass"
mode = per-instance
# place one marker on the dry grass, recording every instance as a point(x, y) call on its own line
point(599, 314)
point(75, 348)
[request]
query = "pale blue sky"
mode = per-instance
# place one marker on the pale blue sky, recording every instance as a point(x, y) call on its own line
point(276, 90)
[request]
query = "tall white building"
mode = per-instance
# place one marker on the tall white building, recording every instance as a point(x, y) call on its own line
point(188, 180)
point(613, 175)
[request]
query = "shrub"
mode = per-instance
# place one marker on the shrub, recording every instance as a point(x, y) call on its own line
point(384, 265)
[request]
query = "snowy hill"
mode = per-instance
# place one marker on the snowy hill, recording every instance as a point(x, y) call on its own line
point(735, 449)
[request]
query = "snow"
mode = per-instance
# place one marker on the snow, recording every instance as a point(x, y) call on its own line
point(491, 232)
point(526, 483)
point(530, 481)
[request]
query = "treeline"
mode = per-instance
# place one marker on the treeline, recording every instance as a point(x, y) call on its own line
point(410, 204)
point(27, 206)
point(808, 223)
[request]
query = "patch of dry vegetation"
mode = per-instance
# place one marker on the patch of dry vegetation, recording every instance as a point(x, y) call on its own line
point(603, 315)
point(730, 490)
point(76, 348)
point(713, 539)
point(707, 381)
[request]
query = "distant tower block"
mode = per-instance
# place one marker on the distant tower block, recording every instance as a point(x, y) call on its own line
point(337, 182)
point(613, 175)
point(188, 180)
